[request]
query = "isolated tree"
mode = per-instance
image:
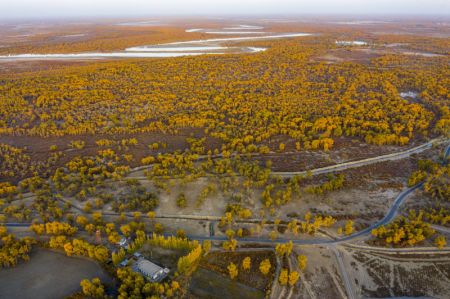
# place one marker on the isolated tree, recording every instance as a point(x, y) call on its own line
point(206, 246)
point(232, 270)
point(284, 277)
point(265, 266)
point(181, 200)
point(126, 230)
point(158, 228)
point(229, 233)
point(273, 235)
point(440, 242)
point(349, 227)
point(151, 215)
point(246, 263)
point(293, 278)
point(302, 261)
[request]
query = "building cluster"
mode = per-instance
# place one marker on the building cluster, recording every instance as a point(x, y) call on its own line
point(151, 271)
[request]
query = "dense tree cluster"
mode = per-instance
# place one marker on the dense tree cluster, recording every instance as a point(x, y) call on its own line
point(80, 247)
point(93, 288)
point(437, 183)
point(133, 285)
point(53, 228)
point(135, 198)
point(13, 249)
point(82, 176)
point(188, 263)
point(284, 249)
point(310, 225)
point(7, 190)
point(439, 216)
point(172, 242)
point(18, 211)
point(404, 231)
point(245, 101)
point(17, 163)
point(333, 183)
point(436, 178)
point(46, 203)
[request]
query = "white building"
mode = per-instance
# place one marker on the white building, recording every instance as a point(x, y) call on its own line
point(151, 271)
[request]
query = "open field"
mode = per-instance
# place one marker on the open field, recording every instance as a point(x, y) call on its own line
point(48, 274)
point(217, 261)
point(209, 284)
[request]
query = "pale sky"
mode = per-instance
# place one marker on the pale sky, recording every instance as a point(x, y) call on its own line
point(10, 9)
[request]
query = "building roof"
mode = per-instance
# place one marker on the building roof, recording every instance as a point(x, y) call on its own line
point(124, 263)
point(147, 268)
point(150, 270)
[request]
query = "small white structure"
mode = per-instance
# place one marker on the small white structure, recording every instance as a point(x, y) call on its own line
point(123, 242)
point(350, 43)
point(151, 271)
point(124, 263)
point(409, 94)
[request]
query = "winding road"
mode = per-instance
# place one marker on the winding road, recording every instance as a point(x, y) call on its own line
point(391, 213)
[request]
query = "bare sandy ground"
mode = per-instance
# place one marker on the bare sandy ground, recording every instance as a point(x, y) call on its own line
point(390, 275)
point(321, 278)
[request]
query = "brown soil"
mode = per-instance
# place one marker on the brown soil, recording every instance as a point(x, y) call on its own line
point(219, 261)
